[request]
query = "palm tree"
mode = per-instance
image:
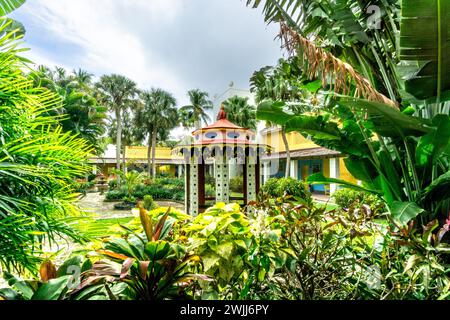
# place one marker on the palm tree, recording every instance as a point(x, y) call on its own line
point(131, 134)
point(240, 112)
point(78, 110)
point(195, 113)
point(82, 77)
point(279, 83)
point(117, 93)
point(157, 114)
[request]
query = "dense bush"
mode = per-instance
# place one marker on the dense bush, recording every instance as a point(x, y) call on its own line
point(346, 198)
point(236, 184)
point(282, 187)
point(159, 189)
point(112, 184)
point(210, 191)
point(84, 186)
point(148, 202)
point(210, 179)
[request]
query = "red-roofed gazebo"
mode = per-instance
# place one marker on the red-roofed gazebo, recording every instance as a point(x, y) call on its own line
point(220, 143)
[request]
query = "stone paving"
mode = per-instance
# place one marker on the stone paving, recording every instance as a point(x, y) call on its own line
point(94, 203)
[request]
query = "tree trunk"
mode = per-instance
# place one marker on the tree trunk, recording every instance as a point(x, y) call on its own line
point(124, 160)
point(149, 157)
point(288, 153)
point(118, 140)
point(154, 152)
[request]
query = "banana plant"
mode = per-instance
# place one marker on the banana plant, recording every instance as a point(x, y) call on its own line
point(399, 157)
point(425, 48)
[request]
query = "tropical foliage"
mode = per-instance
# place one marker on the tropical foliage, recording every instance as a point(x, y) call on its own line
point(196, 112)
point(118, 94)
point(38, 164)
point(79, 110)
point(156, 118)
point(240, 112)
point(367, 79)
point(385, 145)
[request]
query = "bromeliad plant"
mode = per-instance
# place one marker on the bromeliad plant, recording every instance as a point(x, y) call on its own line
point(142, 266)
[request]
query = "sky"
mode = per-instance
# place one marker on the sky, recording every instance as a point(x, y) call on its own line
point(176, 45)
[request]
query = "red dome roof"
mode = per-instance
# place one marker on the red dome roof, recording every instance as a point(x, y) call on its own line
point(221, 123)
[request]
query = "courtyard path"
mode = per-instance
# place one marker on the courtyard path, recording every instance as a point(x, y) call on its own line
point(94, 203)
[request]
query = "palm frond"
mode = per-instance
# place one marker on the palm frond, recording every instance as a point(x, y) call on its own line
point(335, 73)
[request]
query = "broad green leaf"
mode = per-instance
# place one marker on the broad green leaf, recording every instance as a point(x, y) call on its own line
point(403, 212)
point(225, 249)
point(361, 168)
point(431, 145)
point(73, 261)
point(8, 6)
point(210, 261)
point(314, 126)
point(53, 289)
point(313, 86)
point(272, 111)
point(439, 188)
point(388, 121)
point(157, 250)
point(21, 286)
point(425, 45)
point(319, 178)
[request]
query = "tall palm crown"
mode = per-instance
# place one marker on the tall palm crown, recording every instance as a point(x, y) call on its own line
point(158, 115)
point(196, 112)
point(240, 112)
point(118, 93)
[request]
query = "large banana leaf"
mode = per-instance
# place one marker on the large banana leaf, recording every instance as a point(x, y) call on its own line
point(273, 111)
point(8, 6)
point(425, 46)
point(319, 178)
point(387, 121)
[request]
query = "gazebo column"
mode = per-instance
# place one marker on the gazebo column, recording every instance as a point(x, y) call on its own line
point(193, 186)
point(251, 178)
point(222, 180)
point(187, 189)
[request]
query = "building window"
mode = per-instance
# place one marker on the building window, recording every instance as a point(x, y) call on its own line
point(211, 135)
point(233, 135)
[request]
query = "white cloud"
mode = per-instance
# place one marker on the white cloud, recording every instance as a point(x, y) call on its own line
point(108, 46)
point(176, 45)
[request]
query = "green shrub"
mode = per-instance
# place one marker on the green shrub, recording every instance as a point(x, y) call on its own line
point(236, 184)
point(117, 194)
point(159, 188)
point(179, 182)
point(178, 196)
point(346, 198)
point(210, 179)
point(209, 190)
point(83, 187)
point(149, 203)
point(280, 187)
point(112, 184)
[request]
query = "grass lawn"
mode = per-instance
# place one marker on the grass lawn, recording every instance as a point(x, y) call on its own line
point(99, 228)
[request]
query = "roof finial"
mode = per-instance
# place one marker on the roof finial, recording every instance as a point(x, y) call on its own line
point(222, 114)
